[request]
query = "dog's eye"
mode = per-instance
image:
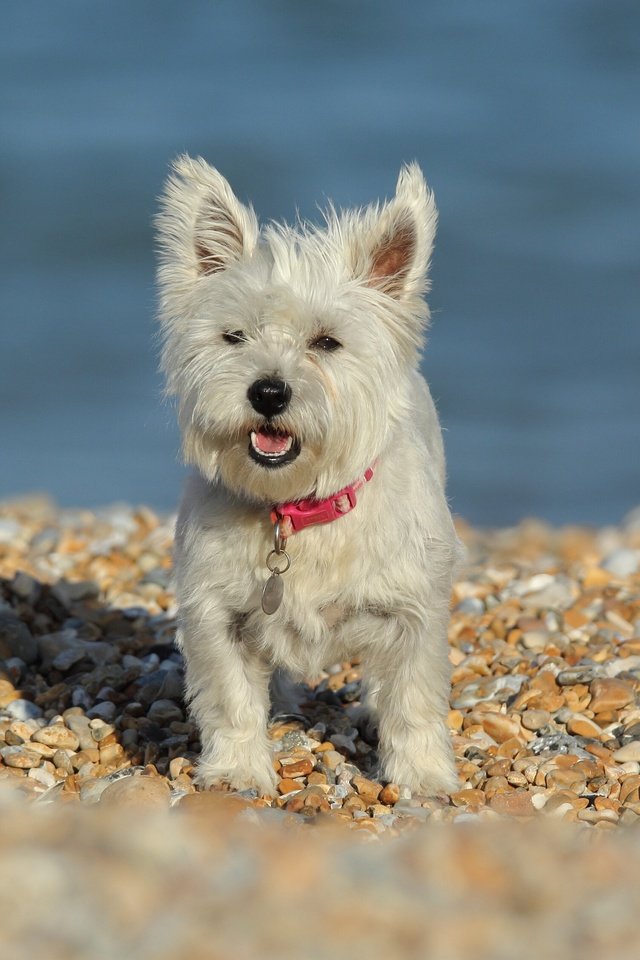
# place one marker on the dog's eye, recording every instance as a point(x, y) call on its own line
point(234, 336)
point(326, 343)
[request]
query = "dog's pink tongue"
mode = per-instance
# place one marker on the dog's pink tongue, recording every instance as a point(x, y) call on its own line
point(271, 442)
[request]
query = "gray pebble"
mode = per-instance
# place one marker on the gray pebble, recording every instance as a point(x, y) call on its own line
point(560, 743)
point(498, 688)
point(471, 605)
point(69, 593)
point(79, 724)
point(26, 587)
point(17, 637)
point(67, 658)
point(164, 711)
point(579, 674)
point(92, 789)
point(344, 743)
point(102, 711)
point(9, 529)
point(80, 698)
point(22, 710)
point(622, 563)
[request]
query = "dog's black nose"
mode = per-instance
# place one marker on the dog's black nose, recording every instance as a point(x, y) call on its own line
point(269, 396)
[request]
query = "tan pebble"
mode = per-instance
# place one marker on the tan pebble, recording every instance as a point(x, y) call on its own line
point(560, 797)
point(288, 786)
point(509, 748)
point(62, 761)
point(137, 791)
point(595, 577)
point(91, 755)
point(517, 779)
point(367, 789)
point(468, 798)
point(630, 790)
point(178, 765)
point(299, 768)
point(566, 779)
point(606, 803)
point(370, 826)
point(599, 750)
point(8, 693)
point(501, 727)
point(455, 719)
point(110, 754)
point(323, 747)
point(588, 768)
point(332, 759)
point(101, 730)
point(184, 783)
point(23, 758)
point(589, 815)
point(42, 749)
point(498, 768)
point(610, 694)
point(564, 760)
point(574, 618)
point(354, 802)
point(316, 777)
point(630, 751)
point(535, 719)
point(581, 726)
point(497, 784)
point(308, 801)
point(516, 803)
point(58, 736)
point(212, 805)
point(24, 729)
point(390, 794)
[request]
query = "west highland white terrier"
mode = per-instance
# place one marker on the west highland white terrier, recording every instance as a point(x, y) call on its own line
point(316, 527)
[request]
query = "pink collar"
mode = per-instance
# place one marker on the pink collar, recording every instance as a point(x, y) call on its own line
point(298, 514)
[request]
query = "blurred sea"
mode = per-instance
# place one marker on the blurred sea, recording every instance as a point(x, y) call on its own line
point(525, 119)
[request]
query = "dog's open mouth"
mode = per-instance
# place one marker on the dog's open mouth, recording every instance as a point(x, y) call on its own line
point(272, 448)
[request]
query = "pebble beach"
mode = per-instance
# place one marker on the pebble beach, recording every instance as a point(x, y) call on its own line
point(544, 716)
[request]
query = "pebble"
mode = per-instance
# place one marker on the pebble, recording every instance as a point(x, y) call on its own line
point(16, 639)
point(103, 711)
point(137, 791)
point(610, 694)
point(20, 709)
point(20, 756)
point(629, 752)
point(488, 689)
point(622, 562)
point(57, 735)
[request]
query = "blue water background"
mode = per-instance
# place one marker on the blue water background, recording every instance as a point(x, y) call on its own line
point(525, 117)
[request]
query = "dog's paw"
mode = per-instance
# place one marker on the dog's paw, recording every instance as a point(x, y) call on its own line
point(425, 779)
point(260, 777)
point(424, 762)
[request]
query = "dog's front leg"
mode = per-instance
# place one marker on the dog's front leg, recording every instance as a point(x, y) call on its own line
point(228, 686)
point(411, 667)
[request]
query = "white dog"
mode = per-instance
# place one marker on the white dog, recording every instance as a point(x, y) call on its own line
point(316, 527)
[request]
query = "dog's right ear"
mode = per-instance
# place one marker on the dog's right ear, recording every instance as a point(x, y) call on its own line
point(202, 226)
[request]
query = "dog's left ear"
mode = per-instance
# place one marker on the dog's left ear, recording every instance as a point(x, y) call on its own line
point(399, 238)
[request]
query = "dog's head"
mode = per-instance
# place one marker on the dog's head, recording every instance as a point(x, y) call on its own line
point(290, 350)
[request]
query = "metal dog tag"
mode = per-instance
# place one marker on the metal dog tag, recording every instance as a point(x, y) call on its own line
point(272, 593)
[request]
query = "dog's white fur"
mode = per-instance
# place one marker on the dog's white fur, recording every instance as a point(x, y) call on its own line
point(375, 583)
